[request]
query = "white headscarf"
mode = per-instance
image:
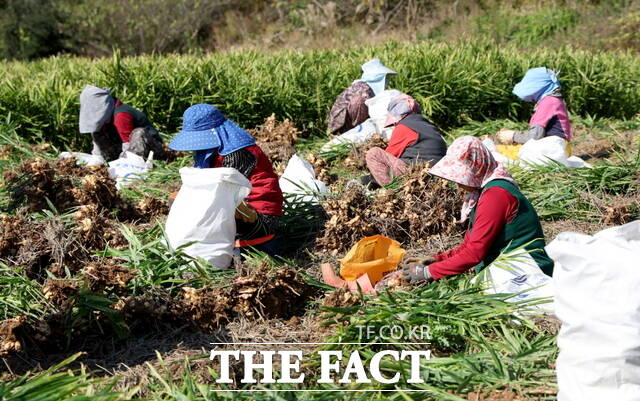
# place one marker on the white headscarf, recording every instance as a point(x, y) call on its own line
point(96, 108)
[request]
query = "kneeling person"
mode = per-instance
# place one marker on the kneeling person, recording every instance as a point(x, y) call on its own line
point(116, 127)
point(413, 140)
point(219, 142)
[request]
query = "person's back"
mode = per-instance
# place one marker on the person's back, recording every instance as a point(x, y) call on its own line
point(429, 146)
point(116, 127)
point(550, 118)
point(349, 109)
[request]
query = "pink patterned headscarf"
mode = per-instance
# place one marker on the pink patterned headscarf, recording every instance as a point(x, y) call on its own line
point(468, 162)
point(399, 107)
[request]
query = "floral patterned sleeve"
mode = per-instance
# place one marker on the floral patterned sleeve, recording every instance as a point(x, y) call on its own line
point(242, 160)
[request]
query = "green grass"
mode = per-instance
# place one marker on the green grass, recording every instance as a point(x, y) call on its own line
point(453, 82)
point(559, 192)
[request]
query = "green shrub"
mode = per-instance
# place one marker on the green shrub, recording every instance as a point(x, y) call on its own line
point(524, 28)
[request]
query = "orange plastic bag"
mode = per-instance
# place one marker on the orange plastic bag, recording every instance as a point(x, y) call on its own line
point(373, 256)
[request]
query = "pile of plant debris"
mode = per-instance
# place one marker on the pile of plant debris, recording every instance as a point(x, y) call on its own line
point(91, 213)
point(39, 184)
point(420, 207)
point(98, 301)
point(348, 156)
point(277, 140)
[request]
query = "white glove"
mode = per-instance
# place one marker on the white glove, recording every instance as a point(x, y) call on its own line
point(506, 136)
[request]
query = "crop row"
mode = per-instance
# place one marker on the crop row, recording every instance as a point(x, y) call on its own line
point(453, 82)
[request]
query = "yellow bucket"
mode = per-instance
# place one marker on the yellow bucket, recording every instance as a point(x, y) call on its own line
point(510, 151)
point(373, 256)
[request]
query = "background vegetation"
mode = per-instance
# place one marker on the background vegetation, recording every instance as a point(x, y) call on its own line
point(31, 29)
point(454, 83)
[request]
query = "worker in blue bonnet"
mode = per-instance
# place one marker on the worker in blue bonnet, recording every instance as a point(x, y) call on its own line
point(541, 86)
point(350, 110)
point(218, 142)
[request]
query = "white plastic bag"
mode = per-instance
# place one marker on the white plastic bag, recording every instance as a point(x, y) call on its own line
point(203, 212)
point(129, 168)
point(378, 106)
point(358, 134)
point(539, 151)
point(518, 273)
point(300, 179)
point(597, 283)
point(83, 158)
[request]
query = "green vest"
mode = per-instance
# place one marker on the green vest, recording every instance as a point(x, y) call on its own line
point(524, 229)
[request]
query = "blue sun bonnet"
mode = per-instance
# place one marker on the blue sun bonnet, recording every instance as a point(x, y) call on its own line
point(536, 84)
point(205, 127)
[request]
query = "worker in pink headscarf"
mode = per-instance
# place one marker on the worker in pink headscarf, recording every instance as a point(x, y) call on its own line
point(500, 218)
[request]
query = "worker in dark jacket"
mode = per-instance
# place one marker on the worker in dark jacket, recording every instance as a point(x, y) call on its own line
point(219, 142)
point(414, 140)
point(116, 127)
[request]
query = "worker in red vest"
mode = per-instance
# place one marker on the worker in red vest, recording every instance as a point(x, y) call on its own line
point(219, 142)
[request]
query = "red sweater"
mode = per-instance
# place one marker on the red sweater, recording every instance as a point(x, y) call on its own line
point(496, 207)
point(401, 137)
point(124, 123)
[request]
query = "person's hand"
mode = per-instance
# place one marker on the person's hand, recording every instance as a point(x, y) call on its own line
point(506, 136)
point(415, 274)
point(419, 260)
point(246, 213)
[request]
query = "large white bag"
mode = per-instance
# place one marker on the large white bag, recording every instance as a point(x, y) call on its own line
point(203, 213)
point(518, 273)
point(300, 179)
point(597, 282)
point(357, 134)
point(540, 151)
point(378, 106)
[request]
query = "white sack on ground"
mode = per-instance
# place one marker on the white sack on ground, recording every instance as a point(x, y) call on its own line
point(597, 284)
point(518, 273)
point(358, 134)
point(300, 179)
point(203, 213)
point(83, 158)
point(539, 151)
point(374, 125)
point(129, 168)
point(489, 144)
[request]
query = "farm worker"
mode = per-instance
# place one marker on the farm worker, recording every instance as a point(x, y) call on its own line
point(116, 127)
point(349, 109)
point(413, 140)
point(500, 217)
point(550, 118)
point(219, 142)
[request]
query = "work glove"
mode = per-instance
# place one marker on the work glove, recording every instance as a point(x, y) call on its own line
point(505, 136)
point(415, 274)
point(419, 260)
point(246, 213)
